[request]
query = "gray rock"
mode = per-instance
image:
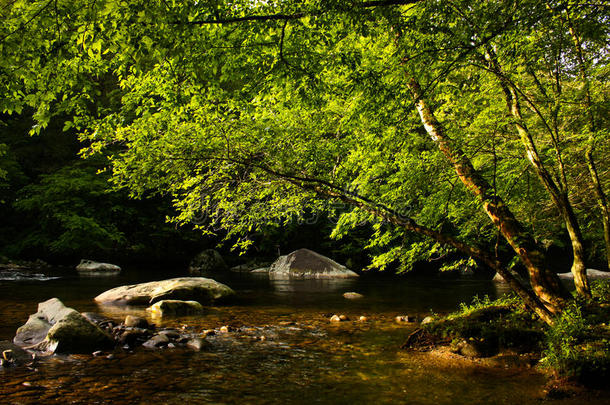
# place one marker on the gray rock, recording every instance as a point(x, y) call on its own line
point(67, 331)
point(207, 261)
point(474, 347)
point(34, 331)
point(134, 337)
point(135, 322)
point(156, 342)
point(89, 266)
point(592, 274)
point(185, 288)
point(197, 344)
point(304, 263)
point(175, 308)
point(352, 295)
point(171, 334)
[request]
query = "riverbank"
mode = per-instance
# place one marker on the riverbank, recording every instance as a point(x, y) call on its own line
point(574, 352)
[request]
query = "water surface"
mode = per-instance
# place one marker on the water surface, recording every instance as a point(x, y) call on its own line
point(283, 350)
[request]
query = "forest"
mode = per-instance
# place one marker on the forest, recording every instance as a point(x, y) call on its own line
point(392, 133)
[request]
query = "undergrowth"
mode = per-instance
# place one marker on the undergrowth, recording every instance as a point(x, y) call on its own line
point(577, 346)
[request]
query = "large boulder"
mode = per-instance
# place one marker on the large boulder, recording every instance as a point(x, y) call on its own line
point(304, 263)
point(184, 288)
point(89, 266)
point(57, 328)
point(175, 308)
point(207, 261)
point(591, 275)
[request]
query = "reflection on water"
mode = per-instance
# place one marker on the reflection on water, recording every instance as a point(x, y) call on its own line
point(283, 349)
point(24, 275)
point(290, 286)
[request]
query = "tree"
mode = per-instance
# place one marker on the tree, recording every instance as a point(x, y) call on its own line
point(410, 111)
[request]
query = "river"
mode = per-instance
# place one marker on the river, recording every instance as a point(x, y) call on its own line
point(303, 358)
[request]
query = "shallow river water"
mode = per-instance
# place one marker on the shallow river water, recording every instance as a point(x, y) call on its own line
point(303, 358)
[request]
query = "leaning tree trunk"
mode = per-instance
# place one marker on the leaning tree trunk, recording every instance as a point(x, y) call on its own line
point(528, 297)
point(602, 200)
point(560, 197)
point(545, 283)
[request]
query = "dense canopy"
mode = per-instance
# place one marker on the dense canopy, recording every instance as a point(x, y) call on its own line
point(441, 125)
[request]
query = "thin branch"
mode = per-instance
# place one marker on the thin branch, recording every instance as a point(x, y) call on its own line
point(294, 16)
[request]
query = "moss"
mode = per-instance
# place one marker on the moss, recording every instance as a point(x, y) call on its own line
point(501, 324)
point(577, 347)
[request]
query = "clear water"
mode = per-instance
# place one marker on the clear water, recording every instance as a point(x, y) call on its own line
point(304, 358)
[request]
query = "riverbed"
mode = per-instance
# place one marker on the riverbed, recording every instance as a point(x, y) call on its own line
point(281, 348)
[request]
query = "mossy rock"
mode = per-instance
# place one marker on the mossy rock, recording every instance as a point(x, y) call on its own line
point(198, 289)
point(175, 308)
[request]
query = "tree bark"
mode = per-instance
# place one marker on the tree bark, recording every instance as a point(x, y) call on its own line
point(327, 189)
point(602, 200)
point(560, 197)
point(529, 298)
point(545, 283)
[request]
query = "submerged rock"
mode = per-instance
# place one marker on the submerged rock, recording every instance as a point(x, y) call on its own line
point(57, 328)
point(197, 344)
point(13, 355)
point(253, 266)
point(175, 308)
point(304, 263)
point(185, 288)
point(89, 266)
point(207, 261)
point(352, 295)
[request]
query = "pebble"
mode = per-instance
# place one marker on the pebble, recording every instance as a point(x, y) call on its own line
point(352, 295)
point(363, 318)
point(224, 329)
point(405, 318)
point(339, 318)
point(110, 356)
point(97, 353)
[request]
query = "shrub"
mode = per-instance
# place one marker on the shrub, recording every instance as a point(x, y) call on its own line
point(578, 345)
